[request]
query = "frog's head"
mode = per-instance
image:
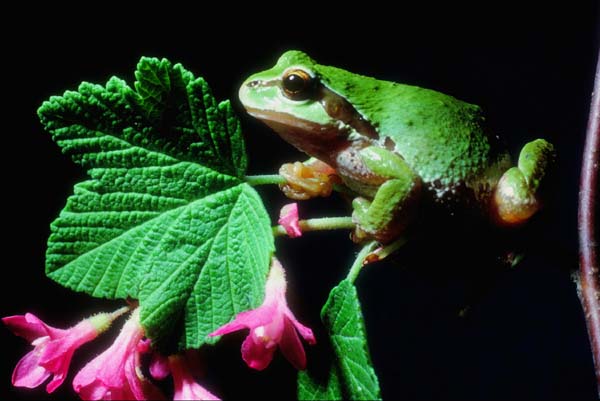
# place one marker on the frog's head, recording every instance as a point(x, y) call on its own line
point(294, 100)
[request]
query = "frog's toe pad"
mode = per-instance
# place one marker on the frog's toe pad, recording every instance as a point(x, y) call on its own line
point(304, 182)
point(513, 203)
point(366, 231)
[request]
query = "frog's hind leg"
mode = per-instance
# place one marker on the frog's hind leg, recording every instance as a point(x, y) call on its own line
point(515, 198)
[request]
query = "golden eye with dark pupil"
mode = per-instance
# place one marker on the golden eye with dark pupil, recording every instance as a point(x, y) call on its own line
point(294, 83)
point(297, 84)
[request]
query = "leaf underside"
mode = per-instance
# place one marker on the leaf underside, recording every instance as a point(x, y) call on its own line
point(321, 381)
point(351, 374)
point(165, 216)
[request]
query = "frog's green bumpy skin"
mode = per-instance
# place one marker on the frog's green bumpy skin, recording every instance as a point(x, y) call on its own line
point(440, 137)
point(333, 115)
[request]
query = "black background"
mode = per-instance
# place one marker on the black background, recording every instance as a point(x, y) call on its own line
point(523, 335)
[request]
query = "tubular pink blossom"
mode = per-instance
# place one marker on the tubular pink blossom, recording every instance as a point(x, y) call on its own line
point(186, 388)
point(53, 348)
point(159, 366)
point(272, 324)
point(116, 373)
point(288, 218)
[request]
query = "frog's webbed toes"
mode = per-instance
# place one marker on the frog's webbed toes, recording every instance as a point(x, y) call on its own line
point(306, 180)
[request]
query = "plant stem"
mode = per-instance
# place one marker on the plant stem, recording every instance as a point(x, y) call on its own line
point(276, 179)
point(384, 251)
point(265, 179)
point(320, 224)
point(588, 279)
point(359, 262)
point(119, 312)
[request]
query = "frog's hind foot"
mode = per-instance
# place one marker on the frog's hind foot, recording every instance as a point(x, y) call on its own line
point(515, 198)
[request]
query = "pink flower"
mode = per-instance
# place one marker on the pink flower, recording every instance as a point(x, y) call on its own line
point(186, 388)
point(159, 366)
point(116, 373)
point(270, 325)
point(288, 218)
point(54, 347)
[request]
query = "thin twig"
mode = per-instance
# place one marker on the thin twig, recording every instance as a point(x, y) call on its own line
point(265, 179)
point(589, 275)
point(359, 262)
point(276, 179)
point(319, 224)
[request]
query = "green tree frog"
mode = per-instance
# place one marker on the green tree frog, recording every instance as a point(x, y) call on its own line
point(393, 145)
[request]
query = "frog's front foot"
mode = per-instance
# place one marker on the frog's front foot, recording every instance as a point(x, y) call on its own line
point(393, 206)
point(515, 198)
point(307, 180)
point(372, 224)
point(359, 217)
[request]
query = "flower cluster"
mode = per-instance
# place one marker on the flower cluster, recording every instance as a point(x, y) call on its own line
point(117, 372)
point(53, 348)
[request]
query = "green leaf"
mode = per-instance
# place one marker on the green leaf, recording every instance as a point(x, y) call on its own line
point(165, 216)
point(353, 369)
point(321, 381)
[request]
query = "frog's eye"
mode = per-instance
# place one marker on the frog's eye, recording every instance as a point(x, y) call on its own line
point(297, 84)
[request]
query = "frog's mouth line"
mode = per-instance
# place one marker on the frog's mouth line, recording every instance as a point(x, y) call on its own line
point(311, 138)
point(289, 120)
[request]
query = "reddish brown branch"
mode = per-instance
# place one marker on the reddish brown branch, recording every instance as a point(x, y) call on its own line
point(589, 275)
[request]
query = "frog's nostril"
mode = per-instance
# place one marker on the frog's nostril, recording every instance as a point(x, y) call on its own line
point(253, 83)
